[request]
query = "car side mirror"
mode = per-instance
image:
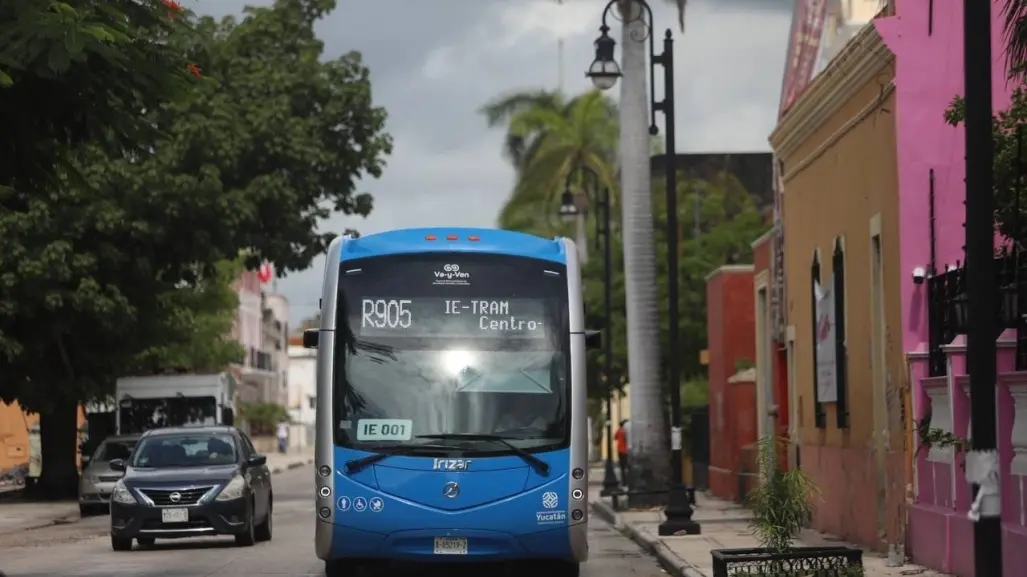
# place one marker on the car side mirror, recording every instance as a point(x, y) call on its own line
point(593, 339)
point(256, 461)
point(310, 338)
point(117, 465)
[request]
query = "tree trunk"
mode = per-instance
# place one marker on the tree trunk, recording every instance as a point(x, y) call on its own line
point(650, 456)
point(58, 439)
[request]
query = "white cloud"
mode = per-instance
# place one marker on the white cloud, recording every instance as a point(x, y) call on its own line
point(435, 62)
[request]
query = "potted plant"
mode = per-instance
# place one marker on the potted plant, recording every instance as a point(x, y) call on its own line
point(782, 505)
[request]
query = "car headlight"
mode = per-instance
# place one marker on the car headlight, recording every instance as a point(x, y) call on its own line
point(233, 490)
point(122, 495)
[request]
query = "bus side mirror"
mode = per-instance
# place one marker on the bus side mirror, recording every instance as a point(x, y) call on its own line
point(593, 339)
point(310, 338)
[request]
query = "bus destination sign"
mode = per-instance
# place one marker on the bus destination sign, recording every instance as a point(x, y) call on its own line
point(454, 318)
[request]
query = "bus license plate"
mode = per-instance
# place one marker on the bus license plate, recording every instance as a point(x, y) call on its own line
point(450, 546)
point(174, 515)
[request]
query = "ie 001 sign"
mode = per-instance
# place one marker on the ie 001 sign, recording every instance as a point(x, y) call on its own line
point(384, 429)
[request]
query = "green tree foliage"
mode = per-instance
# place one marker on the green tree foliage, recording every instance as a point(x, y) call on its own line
point(263, 418)
point(1009, 130)
point(193, 332)
point(81, 71)
point(246, 161)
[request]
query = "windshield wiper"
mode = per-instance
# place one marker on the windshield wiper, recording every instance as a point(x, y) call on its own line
point(357, 465)
point(538, 464)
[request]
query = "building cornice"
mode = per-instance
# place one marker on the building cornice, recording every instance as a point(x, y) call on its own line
point(730, 268)
point(763, 238)
point(859, 61)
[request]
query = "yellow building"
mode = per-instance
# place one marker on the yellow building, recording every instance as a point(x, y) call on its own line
point(837, 149)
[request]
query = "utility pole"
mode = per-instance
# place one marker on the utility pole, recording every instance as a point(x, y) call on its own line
point(981, 289)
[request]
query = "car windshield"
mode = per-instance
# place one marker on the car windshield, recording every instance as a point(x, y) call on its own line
point(111, 450)
point(187, 450)
point(452, 345)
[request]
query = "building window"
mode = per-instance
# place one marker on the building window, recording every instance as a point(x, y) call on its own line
point(819, 417)
point(312, 402)
point(841, 352)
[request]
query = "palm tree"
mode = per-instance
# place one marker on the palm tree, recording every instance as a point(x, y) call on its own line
point(649, 449)
point(549, 137)
point(1016, 37)
point(500, 111)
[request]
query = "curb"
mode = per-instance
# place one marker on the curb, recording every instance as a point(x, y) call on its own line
point(667, 558)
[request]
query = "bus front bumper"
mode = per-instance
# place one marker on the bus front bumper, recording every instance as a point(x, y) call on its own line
point(452, 545)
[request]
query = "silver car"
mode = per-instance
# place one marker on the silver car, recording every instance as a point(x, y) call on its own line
point(98, 479)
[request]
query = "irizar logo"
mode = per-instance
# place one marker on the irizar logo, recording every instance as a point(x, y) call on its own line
point(451, 274)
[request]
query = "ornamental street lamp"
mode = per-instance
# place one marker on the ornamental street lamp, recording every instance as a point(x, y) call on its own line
point(569, 211)
point(604, 73)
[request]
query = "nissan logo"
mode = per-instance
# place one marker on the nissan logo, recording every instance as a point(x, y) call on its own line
point(451, 490)
point(175, 497)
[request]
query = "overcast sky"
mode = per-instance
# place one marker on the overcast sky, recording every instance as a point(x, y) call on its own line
point(435, 62)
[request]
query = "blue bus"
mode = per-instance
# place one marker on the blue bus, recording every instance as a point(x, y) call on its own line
point(451, 414)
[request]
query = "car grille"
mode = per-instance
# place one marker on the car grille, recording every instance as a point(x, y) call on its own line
point(162, 497)
point(109, 478)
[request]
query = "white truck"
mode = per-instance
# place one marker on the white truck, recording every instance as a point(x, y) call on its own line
point(148, 402)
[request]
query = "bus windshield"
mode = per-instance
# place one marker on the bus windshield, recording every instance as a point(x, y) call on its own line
point(450, 344)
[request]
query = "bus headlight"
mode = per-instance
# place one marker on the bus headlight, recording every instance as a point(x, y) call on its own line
point(122, 495)
point(324, 512)
point(324, 491)
point(324, 470)
point(577, 514)
point(578, 473)
point(577, 494)
point(233, 490)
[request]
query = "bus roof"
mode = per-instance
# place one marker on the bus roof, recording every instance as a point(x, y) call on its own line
point(454, 239)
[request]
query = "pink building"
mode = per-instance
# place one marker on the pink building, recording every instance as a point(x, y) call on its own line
point(927, 40)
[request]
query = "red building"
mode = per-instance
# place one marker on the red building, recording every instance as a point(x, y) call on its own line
point(730, 322)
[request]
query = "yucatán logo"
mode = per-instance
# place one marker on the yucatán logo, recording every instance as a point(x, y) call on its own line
point(452, 275)
point(550, 501)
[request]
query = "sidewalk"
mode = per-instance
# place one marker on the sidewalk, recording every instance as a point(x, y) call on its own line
point(724, 526)
point(18, 516)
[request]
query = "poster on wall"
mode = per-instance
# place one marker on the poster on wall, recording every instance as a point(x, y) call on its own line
point(827, 382)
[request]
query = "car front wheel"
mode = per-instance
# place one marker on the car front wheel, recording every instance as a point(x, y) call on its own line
point(263, 531)
point(248, 537)
point(121, 543)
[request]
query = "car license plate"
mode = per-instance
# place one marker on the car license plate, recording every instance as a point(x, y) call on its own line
point(450, 546)
point(174, 515)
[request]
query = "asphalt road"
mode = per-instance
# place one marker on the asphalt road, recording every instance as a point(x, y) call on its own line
point(83, 549)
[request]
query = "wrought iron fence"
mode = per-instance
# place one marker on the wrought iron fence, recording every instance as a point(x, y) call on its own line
point(948, 310)
point(799, 562)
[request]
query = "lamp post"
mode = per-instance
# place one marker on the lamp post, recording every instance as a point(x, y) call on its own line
point(569, 211)
point(604, 72)
point(982, 463)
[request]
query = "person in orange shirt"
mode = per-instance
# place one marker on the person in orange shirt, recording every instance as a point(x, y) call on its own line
point(622, 450)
